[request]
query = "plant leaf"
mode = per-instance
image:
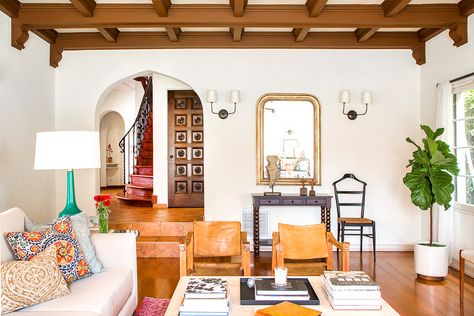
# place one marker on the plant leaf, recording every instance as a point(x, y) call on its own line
point(438, 159)
point(408, 139)
point(438, 133)
point(421, 158)
point(441, 185)
point(428, 131)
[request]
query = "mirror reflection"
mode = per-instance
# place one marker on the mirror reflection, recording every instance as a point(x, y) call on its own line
point(288, 127)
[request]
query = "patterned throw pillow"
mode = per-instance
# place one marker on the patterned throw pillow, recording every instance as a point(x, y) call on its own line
point(31, 282)
point(71, 261)
point(80, 224)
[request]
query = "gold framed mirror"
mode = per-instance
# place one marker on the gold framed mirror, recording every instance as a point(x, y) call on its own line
point(288, 126)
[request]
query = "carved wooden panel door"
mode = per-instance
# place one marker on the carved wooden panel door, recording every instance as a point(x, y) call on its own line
point(185, 150)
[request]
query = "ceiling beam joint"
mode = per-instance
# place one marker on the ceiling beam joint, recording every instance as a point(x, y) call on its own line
point(173, 33)
point(466, 7)
point(85, 7)
point(364, 34)
point(110, 34)
point(315, 7)
point(300, 33)
point(48, 35)
point(238, 7)
point(237, 33)
point(393, 7)
point(162, 7)
point(10, 7)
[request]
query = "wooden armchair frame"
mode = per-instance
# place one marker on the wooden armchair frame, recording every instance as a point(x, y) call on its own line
point(278, 252)
point(186, 255)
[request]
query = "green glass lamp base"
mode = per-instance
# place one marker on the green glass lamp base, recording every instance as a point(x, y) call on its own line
point(71, 207)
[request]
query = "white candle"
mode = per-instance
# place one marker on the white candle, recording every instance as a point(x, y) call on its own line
point(280, 275)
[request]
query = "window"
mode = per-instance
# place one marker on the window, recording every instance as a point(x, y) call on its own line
point(463, 98)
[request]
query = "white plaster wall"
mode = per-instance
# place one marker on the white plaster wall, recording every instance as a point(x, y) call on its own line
point(373, 146)
point(26, 107)
point(112, 129)
point(446, 62)
point(161, 85)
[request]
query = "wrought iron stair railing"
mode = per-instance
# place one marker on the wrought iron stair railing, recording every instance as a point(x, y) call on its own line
point(131, 144)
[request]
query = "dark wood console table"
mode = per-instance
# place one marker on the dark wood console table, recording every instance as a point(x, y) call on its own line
point(258, 199)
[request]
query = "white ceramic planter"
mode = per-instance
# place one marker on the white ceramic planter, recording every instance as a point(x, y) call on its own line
point(431, 261)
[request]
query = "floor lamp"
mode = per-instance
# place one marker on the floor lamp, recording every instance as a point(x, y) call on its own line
point(67, 150)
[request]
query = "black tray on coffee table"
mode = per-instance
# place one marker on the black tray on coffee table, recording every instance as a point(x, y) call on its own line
point(247, 295)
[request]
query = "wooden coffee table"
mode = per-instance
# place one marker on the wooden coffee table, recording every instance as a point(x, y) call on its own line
point(243, 310)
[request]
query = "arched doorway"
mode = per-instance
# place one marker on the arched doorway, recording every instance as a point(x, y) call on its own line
point(112, 128)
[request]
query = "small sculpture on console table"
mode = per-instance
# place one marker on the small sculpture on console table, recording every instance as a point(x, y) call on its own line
point(303, 189)
point(312, 192)
point(273, 171)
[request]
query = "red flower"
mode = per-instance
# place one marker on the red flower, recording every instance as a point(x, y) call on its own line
point(102, 197)
point(107, 203)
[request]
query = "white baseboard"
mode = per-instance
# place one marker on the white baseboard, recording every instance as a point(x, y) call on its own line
point(468, 268)
point(354, 247)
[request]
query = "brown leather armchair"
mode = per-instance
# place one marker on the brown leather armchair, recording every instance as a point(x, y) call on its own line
point(306, 250)
point(215, 248)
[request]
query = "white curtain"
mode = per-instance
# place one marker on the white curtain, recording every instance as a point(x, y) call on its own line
point(443, 224)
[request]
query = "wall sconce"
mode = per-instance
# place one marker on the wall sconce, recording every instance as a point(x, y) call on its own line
point(223, 113)
point(345, 97)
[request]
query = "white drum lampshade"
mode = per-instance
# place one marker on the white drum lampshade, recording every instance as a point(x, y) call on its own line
point(67, 150)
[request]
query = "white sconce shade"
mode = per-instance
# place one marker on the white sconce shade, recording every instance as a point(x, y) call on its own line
point(367, 97)
point(345, 96)
point(235, 96)
point(211, 96)
point(67, 150)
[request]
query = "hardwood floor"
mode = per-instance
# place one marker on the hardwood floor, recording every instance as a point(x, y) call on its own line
point(394, 271)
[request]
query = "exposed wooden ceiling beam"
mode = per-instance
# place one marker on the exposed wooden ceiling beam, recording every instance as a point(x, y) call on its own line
point(315, 7)
point(466, 7)
point(364, 34)
point(85, 7)
point(458, 33)
point(47, 35)
point(162, 7)
point(238, 7)
point(393, 7)
point(300, 33)
point(237, 33)
point(10, 7)
point(425, 34)
point(294, 16)
point(110, 34)
point(173, 33)
point(160, 40)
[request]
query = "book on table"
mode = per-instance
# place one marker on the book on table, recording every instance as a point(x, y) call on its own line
point(268, 287)
point(351, 291)
point(206, 297)
point(353, 280)
point(206, 288)
point(267, 290)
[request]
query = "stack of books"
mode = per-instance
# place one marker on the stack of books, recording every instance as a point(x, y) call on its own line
point(267, 290)
point(351, 291)
point(206, 297)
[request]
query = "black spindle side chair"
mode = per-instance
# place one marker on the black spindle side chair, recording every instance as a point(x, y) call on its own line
point(353, 226)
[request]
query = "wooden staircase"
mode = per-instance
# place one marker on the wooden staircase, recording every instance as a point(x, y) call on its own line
point(139, 187)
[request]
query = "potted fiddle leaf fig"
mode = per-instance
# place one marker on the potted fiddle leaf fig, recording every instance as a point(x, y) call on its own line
point(431, 181)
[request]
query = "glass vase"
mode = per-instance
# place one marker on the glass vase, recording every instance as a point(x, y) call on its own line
point(103, 221)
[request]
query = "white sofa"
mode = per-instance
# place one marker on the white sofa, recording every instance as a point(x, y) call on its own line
point(109, 293)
